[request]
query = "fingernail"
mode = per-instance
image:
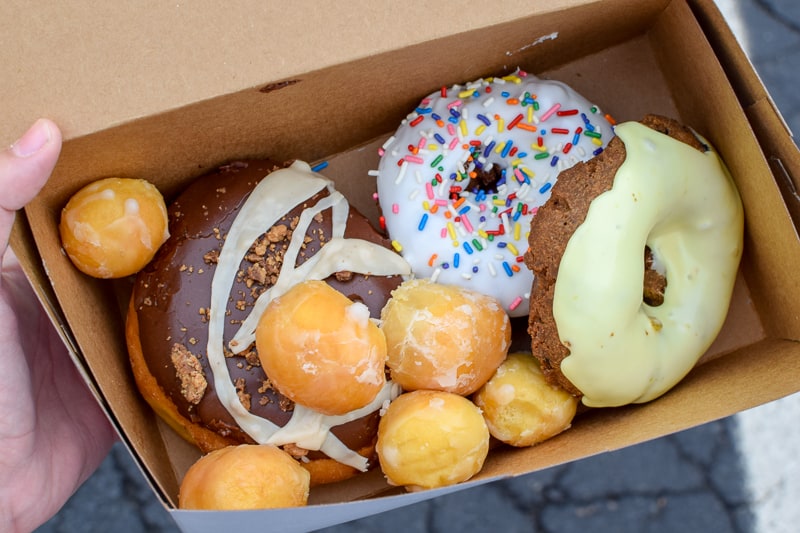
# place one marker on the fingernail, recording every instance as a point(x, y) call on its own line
point(32, 140)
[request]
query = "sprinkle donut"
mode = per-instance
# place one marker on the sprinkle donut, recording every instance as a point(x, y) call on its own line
point(466, 171)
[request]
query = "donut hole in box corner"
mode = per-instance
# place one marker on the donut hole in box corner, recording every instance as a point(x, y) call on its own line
point(670, 57)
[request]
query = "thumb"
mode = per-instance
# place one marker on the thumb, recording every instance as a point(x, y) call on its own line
point(26, 164)
point(24, 169)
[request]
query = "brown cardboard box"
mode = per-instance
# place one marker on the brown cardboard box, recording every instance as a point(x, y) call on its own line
point(171, 90)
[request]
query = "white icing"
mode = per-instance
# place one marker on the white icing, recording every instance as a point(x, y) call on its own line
point(682, 204)
point(358, 313)
point(310, 429)
point(453, 246)
point(505, 394)
point(549, 37)
point(271, 199)
point(131, 207)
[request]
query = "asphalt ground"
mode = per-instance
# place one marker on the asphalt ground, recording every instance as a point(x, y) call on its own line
point(740, 474)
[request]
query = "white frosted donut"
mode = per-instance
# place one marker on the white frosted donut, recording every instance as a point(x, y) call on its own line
point(684, 206)
point(517, 131)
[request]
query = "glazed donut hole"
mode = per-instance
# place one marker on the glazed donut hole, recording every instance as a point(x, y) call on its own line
point(248, 476)
point(429, 439)
point(520, 407)
point(113, 227)
point(321, 350)
point(443, 337)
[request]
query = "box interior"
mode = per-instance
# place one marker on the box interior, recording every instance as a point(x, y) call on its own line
point(655, 59)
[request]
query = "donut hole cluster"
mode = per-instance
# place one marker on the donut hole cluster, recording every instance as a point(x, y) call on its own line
point(439, 343)
point(447, 347)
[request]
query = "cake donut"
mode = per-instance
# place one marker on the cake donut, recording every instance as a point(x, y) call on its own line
point(241, 236)
point(461, 178)
point(606, 324)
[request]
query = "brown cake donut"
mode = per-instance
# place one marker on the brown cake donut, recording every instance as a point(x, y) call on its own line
point(168, 320)
point(553, 226)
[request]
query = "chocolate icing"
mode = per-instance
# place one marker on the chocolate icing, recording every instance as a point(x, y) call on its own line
point(172, 294)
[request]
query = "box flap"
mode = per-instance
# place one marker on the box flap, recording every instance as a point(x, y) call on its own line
point(141, 58)
point(781, 154)
point(737, 65)
point(766, 118)
point(21, 243)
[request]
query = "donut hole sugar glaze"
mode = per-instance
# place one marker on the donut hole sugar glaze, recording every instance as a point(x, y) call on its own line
point(466, 171)
point(172, 311)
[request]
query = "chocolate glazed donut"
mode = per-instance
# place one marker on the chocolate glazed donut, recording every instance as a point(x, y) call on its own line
point(167, 327)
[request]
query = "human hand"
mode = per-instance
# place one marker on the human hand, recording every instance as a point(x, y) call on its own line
point(53, 434)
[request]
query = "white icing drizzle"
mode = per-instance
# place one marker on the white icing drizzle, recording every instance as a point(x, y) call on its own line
point(311, 430)
point(272, 198)
point(338, 254)
point(246, 334)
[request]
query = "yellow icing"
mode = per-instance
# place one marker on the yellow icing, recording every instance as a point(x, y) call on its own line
point(684, 205)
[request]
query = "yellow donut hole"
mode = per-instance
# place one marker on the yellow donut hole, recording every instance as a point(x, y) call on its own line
point(520, 407)
point(113, 227)
point(321, 350)
point(443, 337)
point(247, 476)
point(429, 439)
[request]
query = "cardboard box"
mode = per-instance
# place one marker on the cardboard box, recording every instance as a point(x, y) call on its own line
point(172, 90)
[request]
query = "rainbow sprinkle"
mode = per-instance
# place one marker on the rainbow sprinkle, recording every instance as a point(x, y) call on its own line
point(475, 162)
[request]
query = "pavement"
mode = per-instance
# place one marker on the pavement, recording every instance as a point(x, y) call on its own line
point(739, 475)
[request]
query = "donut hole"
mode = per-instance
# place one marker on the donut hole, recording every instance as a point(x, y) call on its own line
point(486, 179)
point(655, 283)
point(320, 349)
point(422, 351)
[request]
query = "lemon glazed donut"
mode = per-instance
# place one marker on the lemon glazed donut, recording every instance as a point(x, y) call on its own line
point(461, 178)
point(658, 191)
point(241, 236)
